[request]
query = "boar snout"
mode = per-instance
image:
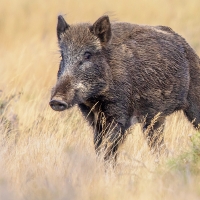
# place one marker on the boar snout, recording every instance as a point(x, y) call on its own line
point(58, 105)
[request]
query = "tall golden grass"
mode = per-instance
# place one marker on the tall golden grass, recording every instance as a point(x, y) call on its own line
point(50, 155)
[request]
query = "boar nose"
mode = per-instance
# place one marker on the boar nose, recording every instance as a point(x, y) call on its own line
point(58, 105)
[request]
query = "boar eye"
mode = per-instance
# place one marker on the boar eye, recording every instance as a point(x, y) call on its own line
point(87, 55)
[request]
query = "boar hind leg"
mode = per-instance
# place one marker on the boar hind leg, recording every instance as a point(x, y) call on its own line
point(153, 132)
point(193, 111)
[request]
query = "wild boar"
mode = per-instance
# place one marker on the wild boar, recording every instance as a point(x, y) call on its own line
point(121, 73)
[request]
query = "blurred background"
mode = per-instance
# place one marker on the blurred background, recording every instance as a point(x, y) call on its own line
point(49, 155)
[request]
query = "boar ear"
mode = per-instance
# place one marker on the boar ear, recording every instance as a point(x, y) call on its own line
point(102, 29)
point(62, 26)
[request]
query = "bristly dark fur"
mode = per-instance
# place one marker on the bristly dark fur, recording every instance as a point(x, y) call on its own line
point(117, 72)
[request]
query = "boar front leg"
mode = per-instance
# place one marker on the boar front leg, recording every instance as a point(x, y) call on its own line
point(109, 133)
point(107, 143)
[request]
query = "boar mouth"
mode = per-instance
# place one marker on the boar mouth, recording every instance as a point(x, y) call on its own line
point(58, 105)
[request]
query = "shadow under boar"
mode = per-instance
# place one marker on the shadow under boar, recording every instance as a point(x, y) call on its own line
point(122, 73)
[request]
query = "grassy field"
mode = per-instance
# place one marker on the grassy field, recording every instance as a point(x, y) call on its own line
point(50, 155)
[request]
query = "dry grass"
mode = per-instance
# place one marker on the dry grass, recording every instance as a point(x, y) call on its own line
point(49, 155)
